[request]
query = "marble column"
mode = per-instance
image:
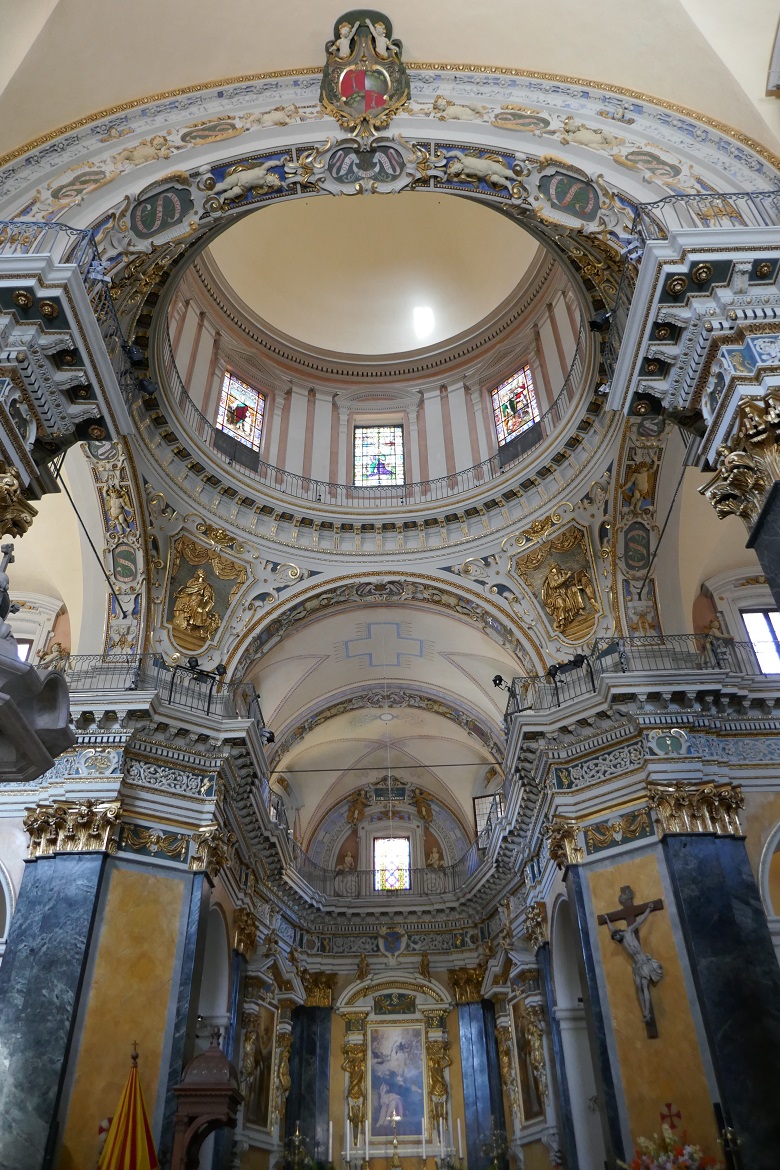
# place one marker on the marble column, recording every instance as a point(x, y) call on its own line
point(737, 982)
point(40, 988)
point(594, 1019)
point(308, 1102)
point(765, 540)
point(560, 1083)
point(482, 1094)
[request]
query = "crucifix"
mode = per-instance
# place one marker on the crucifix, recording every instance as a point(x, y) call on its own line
point(646, 970)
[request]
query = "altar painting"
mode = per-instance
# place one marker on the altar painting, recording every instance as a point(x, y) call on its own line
point(396, 1080)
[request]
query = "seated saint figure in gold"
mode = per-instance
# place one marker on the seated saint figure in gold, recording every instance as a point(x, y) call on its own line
point(562, 594)
point(193, 621)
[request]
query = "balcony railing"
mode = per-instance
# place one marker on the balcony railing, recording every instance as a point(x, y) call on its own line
point(654, 221)
point(288, 483)
point(180, 686)
point(682, 653)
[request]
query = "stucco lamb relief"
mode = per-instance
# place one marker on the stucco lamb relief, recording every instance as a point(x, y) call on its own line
point(560, 575)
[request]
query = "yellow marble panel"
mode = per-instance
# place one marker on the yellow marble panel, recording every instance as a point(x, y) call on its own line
point(255, 1160)
point(536, 1156)
point(128, 1001)
point(670, 1068)
point(457, 1103)
point(774, 882)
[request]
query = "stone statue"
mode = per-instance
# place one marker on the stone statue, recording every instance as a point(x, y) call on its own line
point(425, 965)
point(354, 1064)
point(347, 864)
point(383, 47)
point(562, 595)
point(16, 514)
point(468, 169)
point(434, 859)
point(363, 967)
point(192, 609)
point(357, 807)
point(449, 111)
point(240, 183)
point(342, 46)
point(646, 970)
point(639, 485)
point(119, 507)
point(593, 137)
point(439, 1059)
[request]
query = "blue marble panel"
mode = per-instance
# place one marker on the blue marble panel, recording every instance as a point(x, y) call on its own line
point(483, 1099)
point(560, 1085)
point(594, 1015)
point(186, 1009)
point(308, 1102)
point(737, 980)
point(40, 986)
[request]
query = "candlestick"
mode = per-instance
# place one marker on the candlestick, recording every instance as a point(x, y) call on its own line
point(330, 1142)
point(460, 1144)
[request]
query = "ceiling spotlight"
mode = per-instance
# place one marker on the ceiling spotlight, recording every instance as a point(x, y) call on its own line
point(599, 323)
point(498, 680)
point(423, 320)
point(266, 735)
point(386, 716)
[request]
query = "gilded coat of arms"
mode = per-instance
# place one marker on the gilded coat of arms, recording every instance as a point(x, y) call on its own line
point(364, 82)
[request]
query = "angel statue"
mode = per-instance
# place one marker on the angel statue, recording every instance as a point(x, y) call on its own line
point(342, 46)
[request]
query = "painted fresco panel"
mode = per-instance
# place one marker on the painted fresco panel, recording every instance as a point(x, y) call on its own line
point(396, 1080)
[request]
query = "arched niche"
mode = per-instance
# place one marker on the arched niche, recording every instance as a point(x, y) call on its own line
point(213, 998)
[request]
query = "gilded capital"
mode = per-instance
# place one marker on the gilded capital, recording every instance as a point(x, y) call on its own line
point(244, 931)
point(466, 983)
point(697, 808)
point(213, 849)
point(88, 826)
point(536, 925)
point(749, 463)
point(318, 986)
point(562, 837)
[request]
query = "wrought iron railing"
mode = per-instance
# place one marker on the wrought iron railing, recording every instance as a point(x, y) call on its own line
point(179, 685)
point(379, 498)
point(682, 653)
point(654, 221)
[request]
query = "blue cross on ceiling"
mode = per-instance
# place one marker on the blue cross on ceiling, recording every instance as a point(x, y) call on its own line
point(384, 645)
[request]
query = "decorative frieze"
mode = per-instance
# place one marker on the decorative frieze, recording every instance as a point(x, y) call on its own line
point(213, 849)
point(536, 925)
point(172, 779)
point(632, 826)
point(141, 839)
point(563, 842)
point(245, 925)
point(466, 983)
point(88, 826)
point(617, 761)
point(692, 808)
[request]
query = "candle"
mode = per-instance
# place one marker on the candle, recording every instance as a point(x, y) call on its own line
point(330, 1142)
point(424, 1144)
point(366, 1139)
point(460, 1143)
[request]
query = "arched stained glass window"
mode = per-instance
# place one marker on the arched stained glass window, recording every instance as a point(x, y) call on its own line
point(515, 408)
point(241, 410)
point(379, 456)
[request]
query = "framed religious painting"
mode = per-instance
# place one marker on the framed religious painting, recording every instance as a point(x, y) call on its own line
point(258, 1063)
point(396, 1081)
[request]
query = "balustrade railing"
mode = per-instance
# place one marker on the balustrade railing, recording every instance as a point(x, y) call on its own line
point(381, 497)
point(421, 882)
point(675, 652)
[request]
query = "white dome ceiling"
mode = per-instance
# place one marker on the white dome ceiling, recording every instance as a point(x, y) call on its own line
point(373, 276)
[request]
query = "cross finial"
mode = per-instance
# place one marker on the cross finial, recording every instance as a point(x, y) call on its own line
point(134, 1055)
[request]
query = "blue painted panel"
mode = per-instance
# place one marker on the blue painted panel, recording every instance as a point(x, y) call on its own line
point(308, 1102)
point(482, 1096)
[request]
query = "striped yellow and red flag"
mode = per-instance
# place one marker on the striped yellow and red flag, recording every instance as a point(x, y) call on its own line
point(130, 1145)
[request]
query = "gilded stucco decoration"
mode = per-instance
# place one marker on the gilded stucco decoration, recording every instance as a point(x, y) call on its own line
point(466, 983)
point(213, 849)
point(506, 1060)
point(354, 1065)
point(245, 926)
point(560, 574)
point(563, 842)
point(536, 930)
point(198, 601)
point(697, 808)
point(530, 1028)
point(283, 1079)
point(636, 531)
point(16, 513)
point(749, 463)
point(438, 1060)
point(88, 826)
point(364, 82)
point(318, 986)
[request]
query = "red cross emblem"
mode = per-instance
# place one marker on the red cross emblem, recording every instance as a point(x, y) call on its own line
point(671, 1114)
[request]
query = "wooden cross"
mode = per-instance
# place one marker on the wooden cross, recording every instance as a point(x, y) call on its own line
point(629, 912)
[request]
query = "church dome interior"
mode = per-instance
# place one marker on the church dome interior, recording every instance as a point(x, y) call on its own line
point(389, 600)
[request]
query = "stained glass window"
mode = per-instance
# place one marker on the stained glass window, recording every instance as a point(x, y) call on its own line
point(391, 863)
point(515, 408)
point(241, 411)
point(379, 456)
